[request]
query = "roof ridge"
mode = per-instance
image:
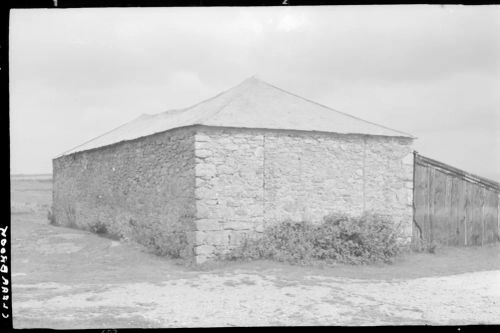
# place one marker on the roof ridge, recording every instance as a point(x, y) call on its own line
point(204, 117)
point(214, 97)
point(329, 108)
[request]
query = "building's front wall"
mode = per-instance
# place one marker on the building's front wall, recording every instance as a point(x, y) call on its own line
point(247, 179)
point(141, 189)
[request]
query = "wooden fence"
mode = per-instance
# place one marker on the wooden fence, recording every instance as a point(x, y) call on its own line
point(452, 207)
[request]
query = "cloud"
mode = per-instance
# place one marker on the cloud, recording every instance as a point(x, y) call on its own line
point(429, 70)
point(291, 22)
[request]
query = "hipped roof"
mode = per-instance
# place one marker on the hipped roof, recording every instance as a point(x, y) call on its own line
point(251, 104)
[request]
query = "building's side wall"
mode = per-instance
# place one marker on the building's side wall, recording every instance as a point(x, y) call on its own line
point(248, 179)
point(141, 189)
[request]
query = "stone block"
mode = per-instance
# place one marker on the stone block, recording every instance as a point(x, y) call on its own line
point(205, 170)
point(203, 193)
point(233, 204)
point(201, 137)
point(408, 159)
point(203, 153)
point(204, 250)
point(202, 210)
point(409, 197)
point(241, 212)
point(202, 145)
point(207, 225)
point(259, 227)
point(201, 258)
point(225, 169)
point(235, 238)
point(238, 225)
point(408, 172)
point(258, 152)
point(209, 237)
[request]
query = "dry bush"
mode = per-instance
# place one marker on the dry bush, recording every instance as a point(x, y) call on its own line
point(339, 239)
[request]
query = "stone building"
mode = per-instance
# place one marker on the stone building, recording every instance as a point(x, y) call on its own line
point(193, 182)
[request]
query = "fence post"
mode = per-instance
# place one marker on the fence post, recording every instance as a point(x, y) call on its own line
point(466, 195)
point(482, 215)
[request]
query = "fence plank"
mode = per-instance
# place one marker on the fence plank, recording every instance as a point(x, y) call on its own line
point(475, 229)
point(439, 215)
point(468, 212)
point(490, 218)
point(424, 208)
point(453, 220)
point(430, 211)
point(420, 201)
point(461, 212)
point(482, 195)
point(480, 213)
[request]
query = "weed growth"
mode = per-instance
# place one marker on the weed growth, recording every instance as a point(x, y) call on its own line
point(339, 239)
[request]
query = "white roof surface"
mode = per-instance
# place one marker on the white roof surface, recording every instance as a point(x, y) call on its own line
point(251, 104)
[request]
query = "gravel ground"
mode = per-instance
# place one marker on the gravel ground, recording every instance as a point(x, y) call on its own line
point(248, 299)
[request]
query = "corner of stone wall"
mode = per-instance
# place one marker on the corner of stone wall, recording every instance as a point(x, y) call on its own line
point(209, 236)
point(407, 228)
point(206, 231)
point(221, 220)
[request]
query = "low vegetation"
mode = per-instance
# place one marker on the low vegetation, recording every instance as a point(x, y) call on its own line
point(339, 239)
point(100, 228)
point(167, 240)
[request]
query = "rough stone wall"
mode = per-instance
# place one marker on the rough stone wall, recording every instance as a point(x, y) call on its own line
point(229, 188)
point(204, 188)
point(311, 175)
point(141, 189)
point(389, 180)
point(248, 179)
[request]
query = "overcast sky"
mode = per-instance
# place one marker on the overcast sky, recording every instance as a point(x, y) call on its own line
point(432, 71)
